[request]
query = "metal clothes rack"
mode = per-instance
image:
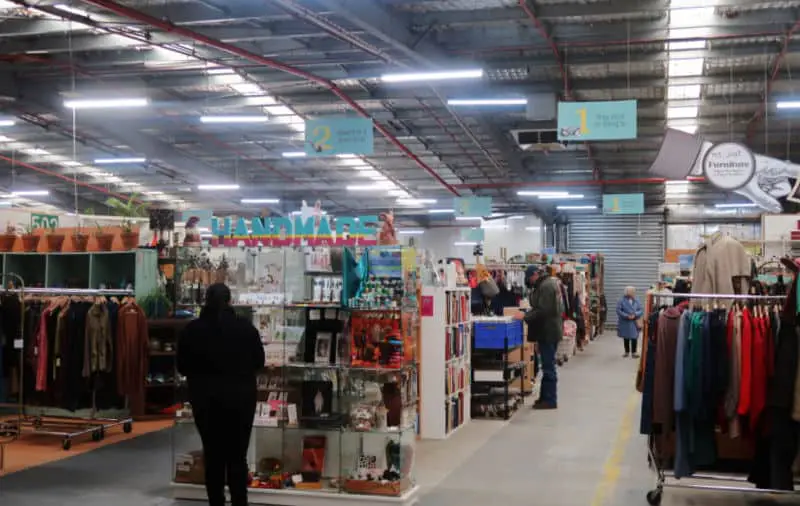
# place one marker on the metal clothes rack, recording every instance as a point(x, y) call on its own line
point(66, 427)
point(695, 482)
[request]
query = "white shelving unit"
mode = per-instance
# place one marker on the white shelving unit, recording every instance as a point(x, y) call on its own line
point(445, 361)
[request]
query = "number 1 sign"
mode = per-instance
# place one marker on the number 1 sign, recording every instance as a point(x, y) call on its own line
point(597, 121)
point(338, 136)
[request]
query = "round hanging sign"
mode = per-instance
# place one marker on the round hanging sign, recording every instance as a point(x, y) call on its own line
point(729, 165)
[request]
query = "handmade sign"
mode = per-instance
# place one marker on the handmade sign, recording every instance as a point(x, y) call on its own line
point(297, 231)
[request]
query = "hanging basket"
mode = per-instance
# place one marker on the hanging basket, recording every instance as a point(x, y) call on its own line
point(30, 242)
point(130, 240)
point(80, 242)
point(7, 242)
point(104, 241)
point(55, 242)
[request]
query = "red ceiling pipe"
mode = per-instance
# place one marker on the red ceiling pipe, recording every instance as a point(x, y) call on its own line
point(581, 182)
point(141, 17)
point(40, 170)
point(776, 66)
point(565, 77)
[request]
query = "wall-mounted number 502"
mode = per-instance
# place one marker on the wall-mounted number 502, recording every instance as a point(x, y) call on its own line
point(582, 114)
point(320, 137)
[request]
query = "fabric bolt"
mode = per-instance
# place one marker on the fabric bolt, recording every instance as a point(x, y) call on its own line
point(746, 384)
point(628, 311)
point(664, 371)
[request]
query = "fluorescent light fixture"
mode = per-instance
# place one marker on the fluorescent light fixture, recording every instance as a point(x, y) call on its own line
point(493, 226)
point(293, 154)
point(682, 112)
point(247, 88)
point(7, 122)
point(30, 193)
point(111, 161)
point(515, 217)
point(368, 173)
point(399, 193)
point(432, 76)
point(689, 128)
point(70, 163)
point(108, 103)
point(533, 229)
point(154, 193)
point(218, 187)
point(234, 119)
point(379, 177)
point(72, 10)
point(571, 196)
point(487, 101)
point(462, 243)
point(684, 45)
point(467, 218)
point(734, 206)
point(411, 231)
point(220, 71)
point(788, 104)
point(414, 202)
point(127, 183)
point(346, 155)
point(441, 211)
point(682, 182)
point(526, 193)
point(260, 201)
point(575, 208)
point(371, 187)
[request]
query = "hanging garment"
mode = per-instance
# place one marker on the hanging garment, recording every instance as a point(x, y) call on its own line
point(734, 339)
point(648, 383)
point(132, 355)
point(75, 392)
point(42, 345)
point(98, 349)
point(746, 384)
point(664, 377)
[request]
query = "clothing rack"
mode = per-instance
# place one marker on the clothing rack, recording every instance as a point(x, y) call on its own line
point(66, 427)
point(698, 480)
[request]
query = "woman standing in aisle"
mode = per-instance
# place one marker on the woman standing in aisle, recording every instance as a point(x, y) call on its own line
point(629, 314)
point(220, 354)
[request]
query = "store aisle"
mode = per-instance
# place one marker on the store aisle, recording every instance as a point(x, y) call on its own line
point(554, 457)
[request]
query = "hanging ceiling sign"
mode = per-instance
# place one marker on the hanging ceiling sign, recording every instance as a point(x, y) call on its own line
point(473, 234)
point(472, 207)
point(297, 231)
point(597, 121)
point(729, 166)
point(623, 203)
point(338, 135)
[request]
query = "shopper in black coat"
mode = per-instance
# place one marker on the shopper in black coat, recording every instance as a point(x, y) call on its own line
point(220, 354)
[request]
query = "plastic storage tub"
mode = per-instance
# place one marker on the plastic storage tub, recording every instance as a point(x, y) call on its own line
point(491, 334)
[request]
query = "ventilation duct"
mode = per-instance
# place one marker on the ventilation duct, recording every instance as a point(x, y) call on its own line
point(543, 140)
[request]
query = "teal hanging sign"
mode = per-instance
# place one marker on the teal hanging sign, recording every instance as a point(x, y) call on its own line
point(472, 234)
point(338, 136)
point(623, 203)
point(472, 207)
point(597, 121)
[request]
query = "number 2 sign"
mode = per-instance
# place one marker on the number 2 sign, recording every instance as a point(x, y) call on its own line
point(339, 136)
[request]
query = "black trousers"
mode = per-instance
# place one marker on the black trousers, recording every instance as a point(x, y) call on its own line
point(630, 345)
point(225, 426)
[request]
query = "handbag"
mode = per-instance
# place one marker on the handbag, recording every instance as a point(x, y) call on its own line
point(639, 324)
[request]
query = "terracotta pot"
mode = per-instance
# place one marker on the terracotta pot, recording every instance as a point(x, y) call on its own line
point(7, 242)
point(54, 242)
point(104, 241)
point(130, 240)
point(30, 242)
point(80, 242)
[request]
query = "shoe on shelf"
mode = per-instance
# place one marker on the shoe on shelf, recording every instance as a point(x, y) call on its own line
point(635, 355)
point(626, 355)
point(544, 405)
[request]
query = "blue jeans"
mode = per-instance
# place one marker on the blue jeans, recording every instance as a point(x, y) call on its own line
point(547, 393)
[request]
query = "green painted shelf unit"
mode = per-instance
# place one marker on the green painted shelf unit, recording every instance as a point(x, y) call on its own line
point(86, 270)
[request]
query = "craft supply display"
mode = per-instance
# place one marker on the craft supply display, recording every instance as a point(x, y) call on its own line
point(337, 400)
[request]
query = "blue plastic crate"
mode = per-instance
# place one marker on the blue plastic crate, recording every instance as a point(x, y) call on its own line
point(493, 335)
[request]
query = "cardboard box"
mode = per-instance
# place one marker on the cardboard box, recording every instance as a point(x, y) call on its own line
point(189, 468)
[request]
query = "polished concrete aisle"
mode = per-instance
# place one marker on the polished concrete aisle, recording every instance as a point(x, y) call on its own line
point(587, 453)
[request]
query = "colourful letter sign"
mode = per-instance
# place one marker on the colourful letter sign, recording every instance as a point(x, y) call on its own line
point(338, 136)
point(623, 203)
point(597, 121)
point(473, 207)
point(280, 231)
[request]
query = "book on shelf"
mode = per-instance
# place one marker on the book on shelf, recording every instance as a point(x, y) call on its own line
point(457, 307)
point(456, 340)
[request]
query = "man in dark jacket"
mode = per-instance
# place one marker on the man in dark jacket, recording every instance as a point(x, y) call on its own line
point(545, 327)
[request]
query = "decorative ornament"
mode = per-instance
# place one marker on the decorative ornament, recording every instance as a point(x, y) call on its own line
point(387, 235)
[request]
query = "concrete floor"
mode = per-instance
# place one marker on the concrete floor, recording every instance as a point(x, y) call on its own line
point(587, 453)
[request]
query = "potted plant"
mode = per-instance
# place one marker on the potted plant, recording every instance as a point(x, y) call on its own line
point(104, 240)
point(80, 240)
point(30, 241)
point(55, 240)
point(8, 238)
point(129, 210)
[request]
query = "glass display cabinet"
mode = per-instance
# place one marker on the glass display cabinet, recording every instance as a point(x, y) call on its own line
point(337, 403)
